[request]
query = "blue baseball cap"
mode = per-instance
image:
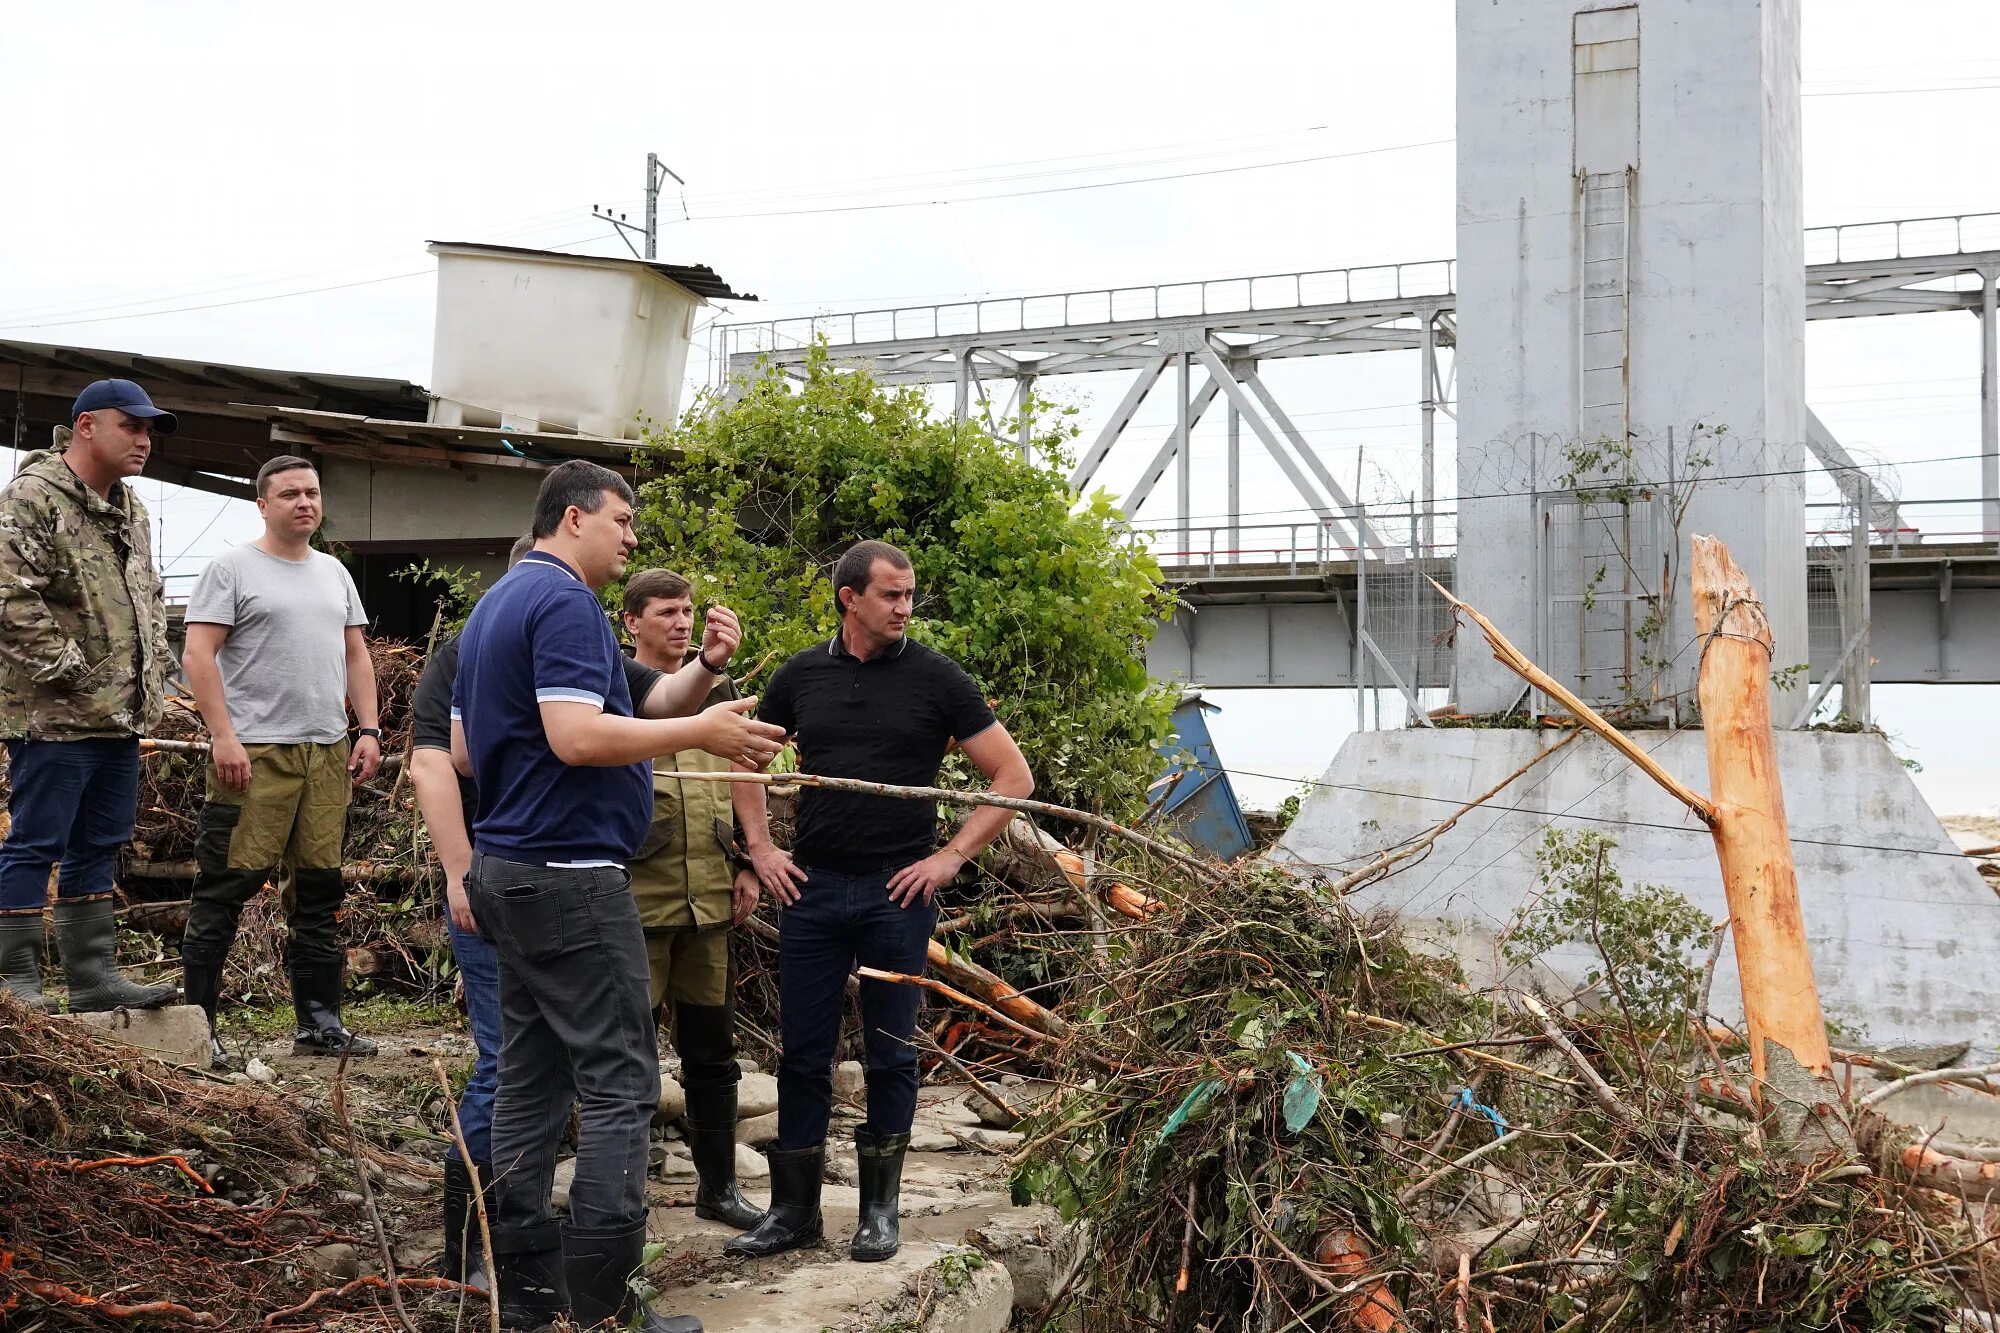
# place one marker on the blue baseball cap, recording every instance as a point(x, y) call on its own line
point(128, 398)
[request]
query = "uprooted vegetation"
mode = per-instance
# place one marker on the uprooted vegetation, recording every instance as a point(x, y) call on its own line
point(1275, 1114)
point(139, 1196)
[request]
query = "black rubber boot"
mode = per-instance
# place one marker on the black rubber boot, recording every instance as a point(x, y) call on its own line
point(202, 984)
point(87, 934)
point(599, 1266)
point(876, 1236)
point(21, 959)
point(793, 1220)
point(316, 1004)
point(464, 1257)
point(711, 1138)
point(529, 1265)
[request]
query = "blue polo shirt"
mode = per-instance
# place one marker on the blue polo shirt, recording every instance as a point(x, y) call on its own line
point(539, 636)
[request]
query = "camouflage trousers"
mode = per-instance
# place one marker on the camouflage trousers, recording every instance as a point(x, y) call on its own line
point(690, 974)
point(295, 815)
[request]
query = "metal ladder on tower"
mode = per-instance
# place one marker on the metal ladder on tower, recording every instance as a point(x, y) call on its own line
point(1604, 306)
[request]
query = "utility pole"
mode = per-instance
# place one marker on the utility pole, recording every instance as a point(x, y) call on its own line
point(657, 172)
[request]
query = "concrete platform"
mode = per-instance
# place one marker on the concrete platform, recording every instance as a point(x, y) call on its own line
point(176, 1034)
point(1905, 934)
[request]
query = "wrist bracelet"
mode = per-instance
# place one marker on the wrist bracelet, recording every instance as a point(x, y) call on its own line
point(702, 657)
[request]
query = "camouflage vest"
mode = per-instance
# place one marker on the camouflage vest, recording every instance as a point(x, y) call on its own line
point(682, 874)
point(83, 628)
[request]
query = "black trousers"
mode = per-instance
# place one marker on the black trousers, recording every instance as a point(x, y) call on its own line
point(576, 1026)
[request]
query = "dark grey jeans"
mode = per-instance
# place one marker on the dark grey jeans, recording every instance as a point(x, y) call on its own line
point(576, 1026)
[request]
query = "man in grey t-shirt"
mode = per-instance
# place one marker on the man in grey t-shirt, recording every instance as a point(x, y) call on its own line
point(274, 655)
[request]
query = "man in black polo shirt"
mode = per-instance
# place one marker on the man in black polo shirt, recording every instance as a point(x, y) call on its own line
point(542, 722)
point(868, 704)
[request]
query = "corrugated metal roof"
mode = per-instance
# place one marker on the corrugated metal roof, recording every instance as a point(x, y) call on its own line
point(370, 396)
point(698, 278)
point(490, 446)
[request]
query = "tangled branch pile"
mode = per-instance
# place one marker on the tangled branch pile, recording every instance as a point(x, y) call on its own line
point(172, 785)
point(1272, 1113)
point(394, 931)
point(137, 1195)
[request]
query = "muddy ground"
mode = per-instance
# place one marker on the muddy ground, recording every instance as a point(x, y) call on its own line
point(969, 1255)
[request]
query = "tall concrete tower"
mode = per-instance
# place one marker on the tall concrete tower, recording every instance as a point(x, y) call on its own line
point(1630, 282)
point(1632, 301)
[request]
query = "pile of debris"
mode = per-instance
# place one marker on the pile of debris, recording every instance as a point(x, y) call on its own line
point(173, 785)
point(137, 1195)
point(1278, 1115)
point(1978, 836)
point(1272, 1113)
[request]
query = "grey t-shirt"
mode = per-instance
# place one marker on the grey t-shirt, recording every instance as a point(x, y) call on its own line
point(284, 664)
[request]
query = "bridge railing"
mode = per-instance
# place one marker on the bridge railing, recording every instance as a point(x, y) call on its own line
point(1296, 546)
point(1905, 238)
point(1307, 544)
point(1925, 525)
point(1103, 305)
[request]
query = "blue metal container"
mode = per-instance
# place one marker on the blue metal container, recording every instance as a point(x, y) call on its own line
point(1200, 805)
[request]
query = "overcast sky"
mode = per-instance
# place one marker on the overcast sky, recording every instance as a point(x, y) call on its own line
point(254, 183)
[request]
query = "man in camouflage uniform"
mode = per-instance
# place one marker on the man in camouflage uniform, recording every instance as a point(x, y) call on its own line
point(83, 672)
point(692, 886)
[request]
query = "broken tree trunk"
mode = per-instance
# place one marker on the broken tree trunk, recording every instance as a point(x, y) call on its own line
point(1746, 817)
point(1781, 1009)
point(970, 976)
point(1372, 1307)
point(1023, 853)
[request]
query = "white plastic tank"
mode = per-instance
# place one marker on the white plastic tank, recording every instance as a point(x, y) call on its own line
point(535, 340)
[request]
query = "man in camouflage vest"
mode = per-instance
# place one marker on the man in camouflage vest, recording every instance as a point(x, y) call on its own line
point(692, 886)
point(83, 674)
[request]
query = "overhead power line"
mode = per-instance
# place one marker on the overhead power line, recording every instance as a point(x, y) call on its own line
point(1074, 188)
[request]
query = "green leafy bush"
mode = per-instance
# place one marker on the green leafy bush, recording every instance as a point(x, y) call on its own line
point(1644, 936)
point(1037, 594)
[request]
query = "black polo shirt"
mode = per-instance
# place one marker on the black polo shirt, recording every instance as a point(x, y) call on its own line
point(430, 710)
point(889, 719)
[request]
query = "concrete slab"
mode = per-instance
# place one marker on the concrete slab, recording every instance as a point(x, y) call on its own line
point(943, 1198)
point(177, 1034)
point(1904, 933)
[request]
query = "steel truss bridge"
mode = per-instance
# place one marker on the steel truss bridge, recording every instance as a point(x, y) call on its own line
point(1271, 603)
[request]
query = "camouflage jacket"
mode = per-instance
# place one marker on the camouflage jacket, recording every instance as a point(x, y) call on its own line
point(683, 873)
point(83, 627)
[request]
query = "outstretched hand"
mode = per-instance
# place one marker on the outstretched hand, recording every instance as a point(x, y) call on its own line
point(728, 734)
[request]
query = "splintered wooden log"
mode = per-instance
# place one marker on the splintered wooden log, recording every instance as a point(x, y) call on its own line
point(945, 796)
point(1517, 661)
point(1120, 898)
point(1021, 844)
point(1373, 1306)
point(992, 990)
point(1746, 815)
point(1780, 1000)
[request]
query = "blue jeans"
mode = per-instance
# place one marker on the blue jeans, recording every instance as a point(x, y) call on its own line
point(839, 921)
point(479, 969)
point(72, 802)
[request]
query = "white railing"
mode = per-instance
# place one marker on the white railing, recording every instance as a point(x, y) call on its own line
point(1104, 305)
point(1301, 546)
point(1907, 238)
point(1310, 545)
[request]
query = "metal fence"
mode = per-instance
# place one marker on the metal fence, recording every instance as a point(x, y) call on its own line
point(1597, 563)
point(1909, 238)
point(1104, 305)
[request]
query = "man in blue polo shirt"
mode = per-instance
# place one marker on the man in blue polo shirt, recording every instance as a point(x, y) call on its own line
point(543, 724)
